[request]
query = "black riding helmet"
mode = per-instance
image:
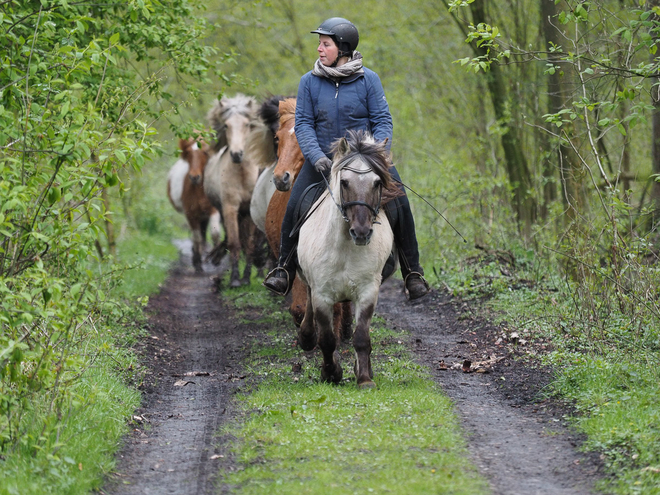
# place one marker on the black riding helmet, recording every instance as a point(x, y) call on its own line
point(343, 32)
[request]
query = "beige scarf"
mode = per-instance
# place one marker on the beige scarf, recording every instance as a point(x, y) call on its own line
point(353, 66)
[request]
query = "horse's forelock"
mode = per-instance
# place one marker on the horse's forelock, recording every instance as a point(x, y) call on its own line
point(362, 145)
point(239, 104)
point(287, 110)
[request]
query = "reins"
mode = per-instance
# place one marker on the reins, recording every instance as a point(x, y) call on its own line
point(433, 207)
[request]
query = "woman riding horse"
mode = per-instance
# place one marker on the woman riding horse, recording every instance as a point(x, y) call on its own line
point(339, 95)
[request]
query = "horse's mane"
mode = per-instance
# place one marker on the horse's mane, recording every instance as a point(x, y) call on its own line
point(261, 144)
point(226, 107)
point(269, 112)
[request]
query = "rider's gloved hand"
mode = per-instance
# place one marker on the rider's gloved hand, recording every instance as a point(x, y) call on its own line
point(323, 164)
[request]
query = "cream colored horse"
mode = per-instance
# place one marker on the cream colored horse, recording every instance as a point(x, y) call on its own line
point(230, 177)
point(342, 250)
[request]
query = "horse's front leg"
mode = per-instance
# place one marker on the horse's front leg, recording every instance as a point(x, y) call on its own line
point(230, 215)
point(250, 231)
point(323, 317)
point(307, 337)
point(198, 245)
point(362, 343)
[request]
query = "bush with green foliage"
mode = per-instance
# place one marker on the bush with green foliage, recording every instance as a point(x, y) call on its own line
point(81, 86)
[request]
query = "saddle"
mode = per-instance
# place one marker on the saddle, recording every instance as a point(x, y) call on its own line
point(314, 191)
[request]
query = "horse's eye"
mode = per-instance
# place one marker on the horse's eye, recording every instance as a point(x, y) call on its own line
point(378, 184)
point(344, 183)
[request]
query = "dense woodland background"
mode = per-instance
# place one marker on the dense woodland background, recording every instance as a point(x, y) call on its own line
point(531, 125)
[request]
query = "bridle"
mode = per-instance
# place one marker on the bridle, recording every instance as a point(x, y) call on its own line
point(343, 205)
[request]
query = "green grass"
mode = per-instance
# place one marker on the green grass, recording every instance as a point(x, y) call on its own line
point(73, 453)
point(609, 375)
point(301, 436)
point(150, 257)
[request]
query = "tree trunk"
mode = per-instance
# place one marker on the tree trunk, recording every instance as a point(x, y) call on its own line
point(109, 227)
point(551, 161)
point(655, 146)
point(516, 164)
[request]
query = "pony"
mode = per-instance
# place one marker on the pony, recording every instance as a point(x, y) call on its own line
point(290, 161)
point(264, 152)
point(185, 190)
point(343, 247)
point(230, 177)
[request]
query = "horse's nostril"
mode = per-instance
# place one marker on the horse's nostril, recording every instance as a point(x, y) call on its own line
point(286, 178)
point(237, 157)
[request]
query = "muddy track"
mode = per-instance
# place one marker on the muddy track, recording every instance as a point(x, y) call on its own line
point(195, 351)
point(519, 441)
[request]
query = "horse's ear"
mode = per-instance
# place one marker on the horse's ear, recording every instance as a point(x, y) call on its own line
point(342, 147)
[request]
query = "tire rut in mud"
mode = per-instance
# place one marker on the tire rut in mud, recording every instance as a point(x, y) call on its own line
point(193, 353)
point(519, 442)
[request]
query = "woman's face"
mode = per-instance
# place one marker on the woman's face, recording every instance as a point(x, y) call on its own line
point(327, 50)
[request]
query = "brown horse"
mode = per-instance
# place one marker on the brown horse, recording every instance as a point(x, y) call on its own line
point(230, 177)
point(185, 190)
point(290, 161)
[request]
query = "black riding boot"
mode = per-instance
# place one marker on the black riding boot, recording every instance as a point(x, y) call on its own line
point(403, 227)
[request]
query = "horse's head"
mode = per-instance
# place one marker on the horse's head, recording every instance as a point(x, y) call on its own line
point(290, 158)
point(232, 119)
point(196, 158)
point(359, 175)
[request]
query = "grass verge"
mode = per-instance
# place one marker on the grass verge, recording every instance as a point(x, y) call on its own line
point(72, 451)
point(303, 436)
point(609, 376)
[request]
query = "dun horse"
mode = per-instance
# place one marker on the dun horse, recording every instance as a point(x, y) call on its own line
point(343, 248)
point(230, 177)
point(186, 192)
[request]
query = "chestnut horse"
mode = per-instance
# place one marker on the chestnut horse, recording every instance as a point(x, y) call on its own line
point(290, 161)
point(185, 190)
point(230, 177)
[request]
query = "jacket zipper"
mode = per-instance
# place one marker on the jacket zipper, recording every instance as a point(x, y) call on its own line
point(337, 90)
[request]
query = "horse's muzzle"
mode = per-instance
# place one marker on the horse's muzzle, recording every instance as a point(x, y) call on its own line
point(195, 179)
point(237, 156)
point(361, 237)
point(283, 183)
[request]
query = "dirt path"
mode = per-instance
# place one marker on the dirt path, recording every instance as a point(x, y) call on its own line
point(195, 351)
point(521, 445)
point(194, 355)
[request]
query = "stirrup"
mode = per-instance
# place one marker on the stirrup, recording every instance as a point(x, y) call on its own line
point(405, 286)
point(273, 289)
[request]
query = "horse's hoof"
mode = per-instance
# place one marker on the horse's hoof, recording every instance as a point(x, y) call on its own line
point(366, 385)
point(306, 341)
point(235, 284)
point(334, 376)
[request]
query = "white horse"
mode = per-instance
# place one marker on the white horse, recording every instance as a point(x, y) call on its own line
point(263, 192)
point(342, 250)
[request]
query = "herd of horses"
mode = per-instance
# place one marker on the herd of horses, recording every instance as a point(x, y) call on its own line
point(243, 181)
